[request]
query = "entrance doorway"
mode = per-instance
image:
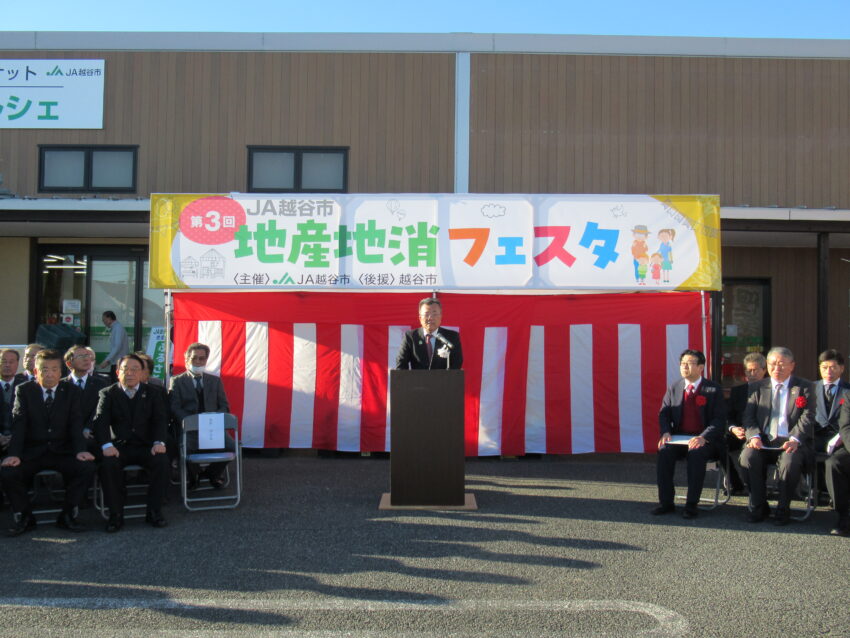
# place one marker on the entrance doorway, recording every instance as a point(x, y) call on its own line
point(77, 284)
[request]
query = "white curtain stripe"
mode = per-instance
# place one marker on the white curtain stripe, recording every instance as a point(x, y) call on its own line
point(492, 391)
point(581, 388)
point(350, 388)
point(303, 384)
point(256, 383)
point(630, 387)
point(535, 393)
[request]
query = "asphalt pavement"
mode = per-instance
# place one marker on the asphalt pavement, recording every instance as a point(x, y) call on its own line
point(560, 546)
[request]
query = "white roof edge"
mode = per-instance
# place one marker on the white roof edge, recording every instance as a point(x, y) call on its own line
point(424, 42)
point(143, 204)
point(67, 204)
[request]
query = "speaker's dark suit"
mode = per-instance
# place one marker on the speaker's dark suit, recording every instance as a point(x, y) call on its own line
point(826, 419)
point(712, 417)
point(137, 424)
point(47, 438)
point(184, 401)
point(838, 466)
point(413, 352)
point(800, 416)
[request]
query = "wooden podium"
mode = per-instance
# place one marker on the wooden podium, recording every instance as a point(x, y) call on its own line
point(427, 442)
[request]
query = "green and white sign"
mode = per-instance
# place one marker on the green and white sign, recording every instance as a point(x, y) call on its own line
point(62, 94)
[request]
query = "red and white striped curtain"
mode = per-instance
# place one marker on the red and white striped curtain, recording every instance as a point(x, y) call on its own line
point(553, 374)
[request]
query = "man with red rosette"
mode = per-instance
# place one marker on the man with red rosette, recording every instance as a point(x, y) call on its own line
point(779, 420)
point(693, 422)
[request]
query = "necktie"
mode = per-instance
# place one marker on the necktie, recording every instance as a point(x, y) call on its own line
point(429, 347)
point(775, 412)
point(690, 390)
point(80, 383)
point(131, 392)
point(48, 401)
point(199, 389)
point(6, 387)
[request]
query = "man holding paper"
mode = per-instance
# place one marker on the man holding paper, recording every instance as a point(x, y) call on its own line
point(196, 391)
point(693, 421)
point(779, 420)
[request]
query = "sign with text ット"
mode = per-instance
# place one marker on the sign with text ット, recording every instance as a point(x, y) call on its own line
point(52, 94)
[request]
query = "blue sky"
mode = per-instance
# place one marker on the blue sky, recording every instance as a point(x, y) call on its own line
point(721, 18)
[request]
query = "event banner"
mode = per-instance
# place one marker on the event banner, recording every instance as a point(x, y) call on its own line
point(57, 93)
point(395, 242)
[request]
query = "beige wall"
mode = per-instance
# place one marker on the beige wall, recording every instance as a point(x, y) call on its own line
point(14, 289)
point(194, 114)
point(755, 131)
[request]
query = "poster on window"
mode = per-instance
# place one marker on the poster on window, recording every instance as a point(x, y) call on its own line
point(435, 241)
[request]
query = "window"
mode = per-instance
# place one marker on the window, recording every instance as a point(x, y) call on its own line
point(283, 169)
point(108, 169)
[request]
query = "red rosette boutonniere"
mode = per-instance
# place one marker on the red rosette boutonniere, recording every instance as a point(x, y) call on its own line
point(700, 400)
point(801, 402)
point(841, 401)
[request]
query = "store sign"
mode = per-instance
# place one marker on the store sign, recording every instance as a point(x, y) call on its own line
point(449, 242)
point(62, 94)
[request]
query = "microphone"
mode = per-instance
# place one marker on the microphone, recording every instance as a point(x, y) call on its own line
point(443, 340)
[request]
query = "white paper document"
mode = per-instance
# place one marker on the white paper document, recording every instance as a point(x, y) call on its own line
point(680, 439)
point(210, 430)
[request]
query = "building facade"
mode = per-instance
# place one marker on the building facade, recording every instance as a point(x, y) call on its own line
point(765, 124)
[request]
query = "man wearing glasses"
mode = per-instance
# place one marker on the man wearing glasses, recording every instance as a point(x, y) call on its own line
point(430, 347)
point(692, 420)
point(779, 422)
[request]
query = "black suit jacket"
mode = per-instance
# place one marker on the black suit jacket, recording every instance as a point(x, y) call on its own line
point(6, 407)
point(801, 420)
point(138, 422)
point(844, 422)
point(826, 421)
point(413, 352)
point(89, 398)
point(36, 430)
point(712, 412)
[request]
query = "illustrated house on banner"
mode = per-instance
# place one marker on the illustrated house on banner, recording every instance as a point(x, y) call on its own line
point(212, 265)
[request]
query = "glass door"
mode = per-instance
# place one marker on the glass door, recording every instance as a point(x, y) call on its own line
point(113, 287)
point(746, 327)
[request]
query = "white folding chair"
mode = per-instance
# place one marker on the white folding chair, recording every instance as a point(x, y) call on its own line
point(231, 495)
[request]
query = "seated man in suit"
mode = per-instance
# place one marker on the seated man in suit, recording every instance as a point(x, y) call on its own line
point(779, 420)
point(828, 391)
point(47, 433)
point(693, 406)
point(137, 417)
point(755, 367)
point(78, 360)
point(837, 470)
point(430, 347)
point(197, 391)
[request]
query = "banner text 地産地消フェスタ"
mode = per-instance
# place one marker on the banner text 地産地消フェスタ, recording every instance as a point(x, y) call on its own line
point(442, 241)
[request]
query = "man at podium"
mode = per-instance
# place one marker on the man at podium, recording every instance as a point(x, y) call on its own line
point(430, 347)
